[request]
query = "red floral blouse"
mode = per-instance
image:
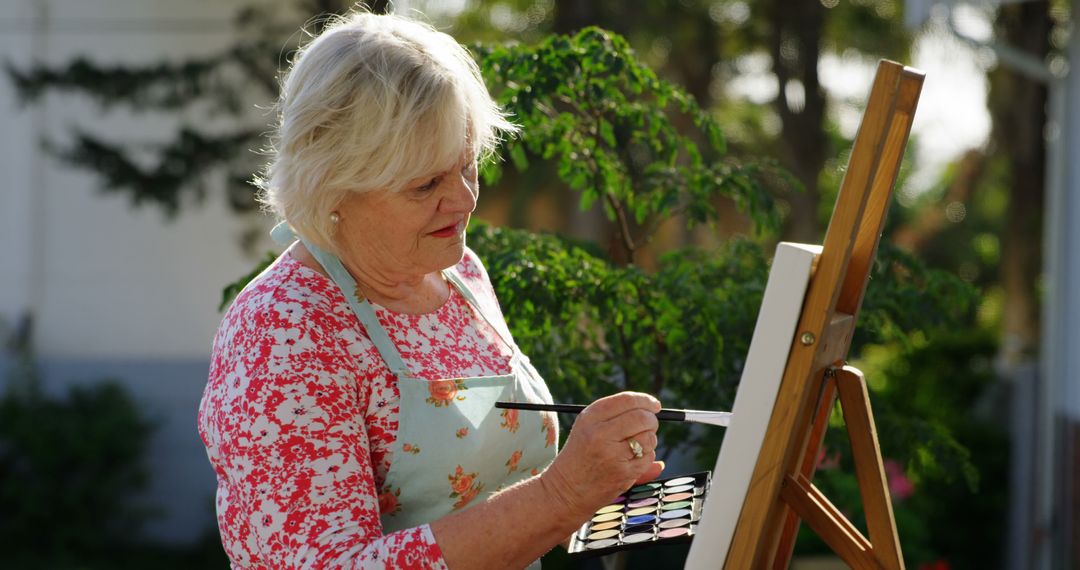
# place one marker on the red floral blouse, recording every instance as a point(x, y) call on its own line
point(300, 415)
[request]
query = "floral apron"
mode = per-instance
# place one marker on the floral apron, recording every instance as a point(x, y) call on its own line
point(452, 445)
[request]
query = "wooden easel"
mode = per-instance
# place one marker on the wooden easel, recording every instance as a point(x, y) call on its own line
point(781, 492)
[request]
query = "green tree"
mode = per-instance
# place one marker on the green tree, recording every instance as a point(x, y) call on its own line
point(705, 44)
point(586, 103)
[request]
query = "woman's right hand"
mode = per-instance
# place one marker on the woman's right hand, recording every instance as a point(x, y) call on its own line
point(597, 462)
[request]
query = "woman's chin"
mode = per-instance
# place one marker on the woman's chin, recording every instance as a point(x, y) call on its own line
point(452, 252)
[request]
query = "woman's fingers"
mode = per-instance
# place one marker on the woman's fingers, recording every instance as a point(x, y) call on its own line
point(647, 440)
point(616, 404)
point(598, 460)
point(654, 471)
point(631, 422)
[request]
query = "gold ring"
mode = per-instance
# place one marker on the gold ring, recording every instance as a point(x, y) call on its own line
point(636, 448)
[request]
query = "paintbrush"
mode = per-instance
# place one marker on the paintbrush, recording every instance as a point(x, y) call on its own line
point(665, 414)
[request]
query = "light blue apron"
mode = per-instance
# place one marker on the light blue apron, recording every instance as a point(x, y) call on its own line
point(453, 447)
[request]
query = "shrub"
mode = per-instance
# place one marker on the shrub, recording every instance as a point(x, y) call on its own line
point(70, 469)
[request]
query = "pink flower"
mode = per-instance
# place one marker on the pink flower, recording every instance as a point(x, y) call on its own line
point(444, 392)
point(826, 462)
point(900, 487)
point(460, 482)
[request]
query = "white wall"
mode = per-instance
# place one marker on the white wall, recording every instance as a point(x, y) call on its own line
point(104, 280)
point(114, 291)
point(22, 169)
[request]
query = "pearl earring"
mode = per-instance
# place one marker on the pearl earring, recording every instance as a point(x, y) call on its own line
point(334, 217)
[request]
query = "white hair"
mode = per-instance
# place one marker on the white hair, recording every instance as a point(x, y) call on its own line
point(373, 102)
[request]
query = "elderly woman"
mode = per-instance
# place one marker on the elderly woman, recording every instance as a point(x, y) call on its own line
point(349, 412)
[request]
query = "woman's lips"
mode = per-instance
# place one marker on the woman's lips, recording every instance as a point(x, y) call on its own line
point(448, 231)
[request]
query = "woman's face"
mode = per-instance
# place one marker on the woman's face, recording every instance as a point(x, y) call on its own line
point(414, 231)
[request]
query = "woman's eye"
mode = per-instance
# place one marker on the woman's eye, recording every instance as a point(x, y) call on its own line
point(429, 186)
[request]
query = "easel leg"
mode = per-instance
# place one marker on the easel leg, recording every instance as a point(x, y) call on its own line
point(881, 526)
point(790, 531)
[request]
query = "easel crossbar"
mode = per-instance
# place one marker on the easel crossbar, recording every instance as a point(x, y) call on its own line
point(828, 522)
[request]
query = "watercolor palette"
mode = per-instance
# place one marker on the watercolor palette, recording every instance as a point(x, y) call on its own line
point(664, 511)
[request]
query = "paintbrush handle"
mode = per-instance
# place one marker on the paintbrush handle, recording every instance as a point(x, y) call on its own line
point(562, 408)
point(665, 414)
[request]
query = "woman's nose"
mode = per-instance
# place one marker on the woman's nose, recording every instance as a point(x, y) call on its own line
point(461, 195)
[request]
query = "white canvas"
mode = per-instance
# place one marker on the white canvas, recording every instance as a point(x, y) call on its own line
point(770, 344)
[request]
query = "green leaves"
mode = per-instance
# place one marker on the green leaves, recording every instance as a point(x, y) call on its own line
point(618, 133)
point(594, 328)
point(904, 295)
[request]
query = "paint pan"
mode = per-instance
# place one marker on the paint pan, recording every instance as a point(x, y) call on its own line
point(664, 511)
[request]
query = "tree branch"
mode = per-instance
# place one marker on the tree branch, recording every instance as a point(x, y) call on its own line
point(624, 225)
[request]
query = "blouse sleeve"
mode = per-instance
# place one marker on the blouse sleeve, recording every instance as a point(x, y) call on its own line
point(294, 451)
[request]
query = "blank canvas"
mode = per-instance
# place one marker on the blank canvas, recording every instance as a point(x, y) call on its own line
point(770, 344)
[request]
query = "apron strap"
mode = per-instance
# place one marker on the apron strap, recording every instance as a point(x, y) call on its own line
point(284, 235)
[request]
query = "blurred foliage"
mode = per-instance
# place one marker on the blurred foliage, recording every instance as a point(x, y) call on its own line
point(70, 470)
point(700, 44)
point(594, 328)
point(953, 225)
point(71, 475)
point(704, 45)
point(218, 88)
point(724, 51)
point(939, 390)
